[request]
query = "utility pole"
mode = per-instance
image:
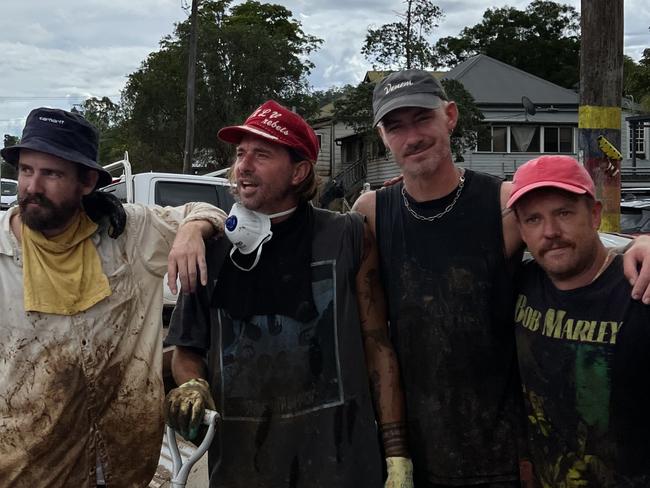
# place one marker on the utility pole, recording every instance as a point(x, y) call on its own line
point(601, 88)
point(191, 90)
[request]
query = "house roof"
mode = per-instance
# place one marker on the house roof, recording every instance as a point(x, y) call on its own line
point(493, 82)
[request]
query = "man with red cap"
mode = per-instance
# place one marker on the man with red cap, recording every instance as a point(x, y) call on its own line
point(582, 341)
point(275, 340)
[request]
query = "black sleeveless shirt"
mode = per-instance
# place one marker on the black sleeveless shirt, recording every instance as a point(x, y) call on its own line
point(450, 294)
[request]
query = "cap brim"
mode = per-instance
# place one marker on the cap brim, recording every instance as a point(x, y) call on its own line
point(12, 153)
point(421, 100)
point(544, 184)
point(235, 133)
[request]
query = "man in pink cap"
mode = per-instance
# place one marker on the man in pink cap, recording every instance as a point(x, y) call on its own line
point(582, 341)
point(293, 298)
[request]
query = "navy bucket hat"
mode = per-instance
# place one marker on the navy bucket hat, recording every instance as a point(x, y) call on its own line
point(66, 135)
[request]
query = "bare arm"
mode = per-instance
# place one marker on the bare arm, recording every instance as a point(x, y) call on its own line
point(381, 360)
point(187, 365)
point(511, 235)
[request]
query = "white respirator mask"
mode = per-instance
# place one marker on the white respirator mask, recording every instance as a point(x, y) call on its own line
point(248, 230)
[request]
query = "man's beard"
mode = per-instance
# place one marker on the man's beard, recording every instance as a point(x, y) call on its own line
point(47, 215)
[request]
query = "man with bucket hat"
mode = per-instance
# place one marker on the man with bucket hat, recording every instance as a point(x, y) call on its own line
point(582, 341)
point(447, 260)
point(292, 300)
point(80, 338)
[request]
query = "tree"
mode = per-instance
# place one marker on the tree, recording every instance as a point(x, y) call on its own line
point(543, 39)
point(246, 54)
point(7, 170)
point(469, 127)
point(636, 79)
point(404, 44)
point(106, 115)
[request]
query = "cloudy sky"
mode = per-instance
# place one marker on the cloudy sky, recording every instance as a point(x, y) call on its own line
point(57, 53)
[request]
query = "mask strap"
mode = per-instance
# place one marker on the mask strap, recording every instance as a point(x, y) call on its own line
point(282, 214)
point(257, 255)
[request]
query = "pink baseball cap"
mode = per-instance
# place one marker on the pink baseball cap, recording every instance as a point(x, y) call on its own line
point(562, 172)
point(278, 124)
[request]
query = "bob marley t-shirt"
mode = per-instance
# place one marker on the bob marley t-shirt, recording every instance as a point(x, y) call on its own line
point(584, 361)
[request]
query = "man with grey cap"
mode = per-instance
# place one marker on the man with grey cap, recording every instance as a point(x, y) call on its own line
point(80, 338)
point(447, 255)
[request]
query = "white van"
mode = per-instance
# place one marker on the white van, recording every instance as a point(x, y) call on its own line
point(8, 193)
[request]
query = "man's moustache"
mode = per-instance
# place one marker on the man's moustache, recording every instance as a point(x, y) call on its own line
point(34, 198)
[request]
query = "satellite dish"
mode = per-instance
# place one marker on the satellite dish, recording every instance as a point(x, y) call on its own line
point(529, 107)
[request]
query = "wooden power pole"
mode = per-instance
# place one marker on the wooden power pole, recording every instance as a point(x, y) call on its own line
point(601, 88)
point(191, 90)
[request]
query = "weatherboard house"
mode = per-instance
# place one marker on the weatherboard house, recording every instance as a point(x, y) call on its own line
point(525, 116)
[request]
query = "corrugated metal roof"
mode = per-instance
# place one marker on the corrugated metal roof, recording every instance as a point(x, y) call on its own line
point(492, 81)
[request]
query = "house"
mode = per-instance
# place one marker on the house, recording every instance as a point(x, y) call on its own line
point(526, 116)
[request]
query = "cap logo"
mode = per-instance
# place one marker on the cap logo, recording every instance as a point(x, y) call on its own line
point(51, 120)
point(389, 88)
point(270, 119)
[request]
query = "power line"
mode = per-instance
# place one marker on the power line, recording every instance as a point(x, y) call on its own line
point(64, 97)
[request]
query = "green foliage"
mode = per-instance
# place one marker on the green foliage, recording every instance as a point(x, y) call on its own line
point(247, 53)
point(469, 126)
point(543, 39)
point(104, 114)
point(354, 107)
point(636, 79)
point(404, 44)
point(7, 170)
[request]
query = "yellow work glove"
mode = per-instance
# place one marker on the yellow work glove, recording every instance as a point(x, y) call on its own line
point(400, 472)
point(185, 406)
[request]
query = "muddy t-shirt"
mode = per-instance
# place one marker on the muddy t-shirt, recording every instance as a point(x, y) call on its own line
point(584, 357)
point(450, 305)
point(293, 395)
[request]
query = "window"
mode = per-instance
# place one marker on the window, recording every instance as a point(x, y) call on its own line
point(9, 188)
point(526, 138)
point(175, 193)
point(493, 140)
point(639, 134)
point(558, 139)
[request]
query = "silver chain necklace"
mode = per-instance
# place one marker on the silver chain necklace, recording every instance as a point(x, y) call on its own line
point(461, 184)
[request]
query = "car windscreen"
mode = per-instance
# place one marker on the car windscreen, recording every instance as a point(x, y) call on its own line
point(9, 188)
point(174, 193)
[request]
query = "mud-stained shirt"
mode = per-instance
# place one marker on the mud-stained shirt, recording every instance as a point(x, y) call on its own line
point(293, 395)
point(584, 363)
point(450, 293)
point(75, 390)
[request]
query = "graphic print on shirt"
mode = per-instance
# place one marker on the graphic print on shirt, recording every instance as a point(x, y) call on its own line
point(566, 364)
point(273, 363)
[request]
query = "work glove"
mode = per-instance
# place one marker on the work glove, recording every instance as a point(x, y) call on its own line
point(100, 205)
point(400, 472)
point(185, 406)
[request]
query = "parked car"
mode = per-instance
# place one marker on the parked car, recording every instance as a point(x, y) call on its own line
point(8, 193)
point(635, 216)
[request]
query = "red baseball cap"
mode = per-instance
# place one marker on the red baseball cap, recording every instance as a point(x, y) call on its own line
point(562, 172)
point(278, 124)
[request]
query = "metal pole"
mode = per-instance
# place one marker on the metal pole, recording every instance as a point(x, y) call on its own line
point(601, 87)
point(191, 91)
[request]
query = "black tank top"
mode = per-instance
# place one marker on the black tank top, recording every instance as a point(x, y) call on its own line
point(450, 294)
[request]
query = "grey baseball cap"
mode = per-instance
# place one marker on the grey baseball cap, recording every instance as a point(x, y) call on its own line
point(408, 88)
